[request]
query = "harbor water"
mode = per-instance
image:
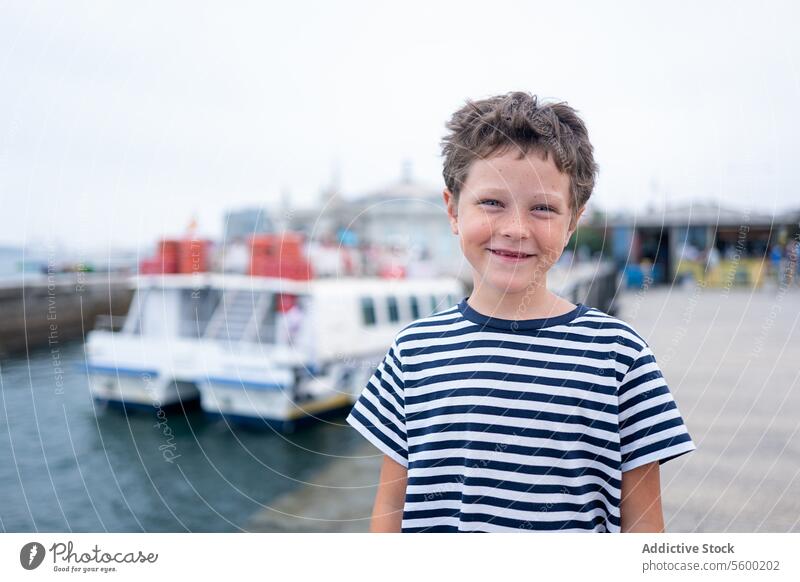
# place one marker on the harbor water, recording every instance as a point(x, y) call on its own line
point(69, 466)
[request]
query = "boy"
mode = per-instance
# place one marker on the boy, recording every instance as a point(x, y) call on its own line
point(516, 410)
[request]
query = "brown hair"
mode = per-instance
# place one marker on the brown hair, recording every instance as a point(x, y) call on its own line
point(491, 126)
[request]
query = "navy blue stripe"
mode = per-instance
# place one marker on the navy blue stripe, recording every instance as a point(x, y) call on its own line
point(470, 445)
point(604, 356)
point(494, 428)
point(438, 483)
point(519, 346)
point(520, 361)
point(534, 333)
point(515, 504)
point(512, 395)
point(475, 375)
point(431, 529)
point(574, 418)
point(460, 464)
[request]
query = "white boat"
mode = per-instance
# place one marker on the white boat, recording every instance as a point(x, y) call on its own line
point(269, 352)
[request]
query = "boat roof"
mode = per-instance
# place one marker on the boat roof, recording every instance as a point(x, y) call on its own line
point(375, 285)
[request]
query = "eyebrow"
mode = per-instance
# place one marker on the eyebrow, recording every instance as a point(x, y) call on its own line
point(500, 191)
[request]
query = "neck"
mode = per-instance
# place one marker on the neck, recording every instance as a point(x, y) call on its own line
point(536, 301)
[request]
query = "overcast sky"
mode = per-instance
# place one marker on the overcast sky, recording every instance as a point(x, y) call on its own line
point(119, 120)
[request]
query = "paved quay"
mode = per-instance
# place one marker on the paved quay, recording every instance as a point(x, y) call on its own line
point(732, 360)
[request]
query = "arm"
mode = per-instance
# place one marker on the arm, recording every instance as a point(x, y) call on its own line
point(640, 507)
point(387, 513)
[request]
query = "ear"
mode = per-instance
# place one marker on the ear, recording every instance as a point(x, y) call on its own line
point(574, 224)
point(452, 209)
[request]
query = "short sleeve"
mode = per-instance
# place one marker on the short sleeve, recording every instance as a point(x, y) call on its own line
point(651, 427)
point(379, 412)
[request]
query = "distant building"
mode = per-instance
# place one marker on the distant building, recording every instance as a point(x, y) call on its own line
point(406, 215)
point(241, 224)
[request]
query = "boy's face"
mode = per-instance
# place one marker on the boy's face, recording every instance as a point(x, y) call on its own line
point(519, 205)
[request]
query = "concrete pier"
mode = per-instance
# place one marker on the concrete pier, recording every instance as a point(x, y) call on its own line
point(46, 309)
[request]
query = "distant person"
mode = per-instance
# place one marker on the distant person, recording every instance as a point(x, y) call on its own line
point(517, 410)
point(776, 262)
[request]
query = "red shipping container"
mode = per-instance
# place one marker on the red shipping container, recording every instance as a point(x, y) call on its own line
point(193, 256)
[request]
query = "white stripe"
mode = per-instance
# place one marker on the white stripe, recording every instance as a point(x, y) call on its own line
point(514, 477)
point(528, 460)
point(512, 386)
point(511, 403)
point(508, 439)
point(569, 411)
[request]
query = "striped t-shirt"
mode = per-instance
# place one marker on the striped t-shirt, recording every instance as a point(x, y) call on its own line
point(520, 425)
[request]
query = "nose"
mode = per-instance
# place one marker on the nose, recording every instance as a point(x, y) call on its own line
point(513, 225)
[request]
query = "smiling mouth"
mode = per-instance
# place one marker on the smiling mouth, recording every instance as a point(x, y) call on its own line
point(506, 255)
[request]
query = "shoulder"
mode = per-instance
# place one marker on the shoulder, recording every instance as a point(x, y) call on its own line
point(600, 323)
point(436, 324)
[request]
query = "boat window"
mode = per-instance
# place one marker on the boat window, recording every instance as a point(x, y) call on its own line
point(434, 303)
point(391, 302)
point(196, 309)
point(414, 307)
point(133, 320)
point(368, 310)
point(159, 310)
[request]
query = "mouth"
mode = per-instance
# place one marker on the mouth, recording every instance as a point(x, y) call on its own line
point(510, 256)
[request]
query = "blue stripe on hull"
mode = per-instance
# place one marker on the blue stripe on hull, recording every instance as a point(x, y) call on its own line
point(115, 370)
point(237, 383)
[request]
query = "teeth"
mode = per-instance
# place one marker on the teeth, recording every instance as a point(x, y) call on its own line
point(509, 254)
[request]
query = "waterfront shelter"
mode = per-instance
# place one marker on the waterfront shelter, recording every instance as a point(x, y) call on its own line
point(711, 244)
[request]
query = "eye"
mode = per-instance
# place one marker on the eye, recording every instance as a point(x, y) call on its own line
point(544, 207)
point(488, 200)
